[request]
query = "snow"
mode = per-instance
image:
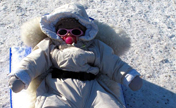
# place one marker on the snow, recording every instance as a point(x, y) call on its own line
point(151, 24)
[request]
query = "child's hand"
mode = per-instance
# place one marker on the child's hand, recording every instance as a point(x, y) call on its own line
point(74, 59)
point(15, 84)
point(136, 83)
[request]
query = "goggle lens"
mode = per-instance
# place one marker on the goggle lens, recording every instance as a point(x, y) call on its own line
point(76, 32)
point(62, 32)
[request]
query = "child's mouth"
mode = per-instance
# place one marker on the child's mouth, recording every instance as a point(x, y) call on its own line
point(69, 39)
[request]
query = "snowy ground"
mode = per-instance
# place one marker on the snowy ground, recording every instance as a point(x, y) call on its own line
point(151, 25)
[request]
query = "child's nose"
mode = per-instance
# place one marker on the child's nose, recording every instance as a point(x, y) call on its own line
point(68, 34)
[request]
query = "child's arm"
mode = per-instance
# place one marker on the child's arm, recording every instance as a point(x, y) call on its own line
point(112, 66)
point(37, 62)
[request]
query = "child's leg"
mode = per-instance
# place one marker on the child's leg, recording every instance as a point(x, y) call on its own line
point(100, 98)
point(105, 100)
point(52, 101)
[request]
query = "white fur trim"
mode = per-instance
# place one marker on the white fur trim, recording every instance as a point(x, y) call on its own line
point(129, 77)
point(114, 37)
point(31, 33)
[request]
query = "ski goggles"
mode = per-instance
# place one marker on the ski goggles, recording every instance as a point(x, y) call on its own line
point(75, 32)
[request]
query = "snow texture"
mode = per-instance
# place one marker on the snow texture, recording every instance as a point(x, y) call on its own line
point(151, 24)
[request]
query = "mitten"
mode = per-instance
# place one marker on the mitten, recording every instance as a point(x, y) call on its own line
point(136, 83)
point(16, 84)
point(74, 59)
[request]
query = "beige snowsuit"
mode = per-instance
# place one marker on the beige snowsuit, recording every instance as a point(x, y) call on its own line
point(88, 55)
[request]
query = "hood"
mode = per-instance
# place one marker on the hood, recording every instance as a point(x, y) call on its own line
point(76, 11)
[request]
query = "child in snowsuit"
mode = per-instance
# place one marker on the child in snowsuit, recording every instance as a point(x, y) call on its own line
point(77, 59)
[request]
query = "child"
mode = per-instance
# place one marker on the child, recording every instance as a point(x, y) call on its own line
point(77, 59)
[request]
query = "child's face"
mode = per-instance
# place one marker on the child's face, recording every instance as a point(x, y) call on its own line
point(70, 30)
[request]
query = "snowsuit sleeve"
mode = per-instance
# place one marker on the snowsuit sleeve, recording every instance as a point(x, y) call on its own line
point(37, 62)
point(111, 65)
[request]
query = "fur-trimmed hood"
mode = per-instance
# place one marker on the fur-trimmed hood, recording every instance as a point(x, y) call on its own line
point(35, 30)
point(76, 11)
